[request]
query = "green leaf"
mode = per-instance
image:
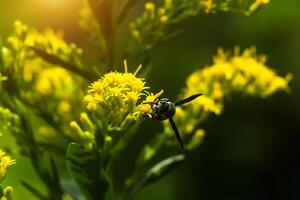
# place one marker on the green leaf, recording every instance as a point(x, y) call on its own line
point(71, 188)
point(1, 56)
point(55, 179)
point(150, 150)
point(34, 191)
point(84, 165)
point(157, 172)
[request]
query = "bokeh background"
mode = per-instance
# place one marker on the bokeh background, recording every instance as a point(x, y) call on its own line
point(251, 151)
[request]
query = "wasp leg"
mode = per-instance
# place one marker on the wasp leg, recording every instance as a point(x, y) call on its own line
point(186, 100)
point(176, 132)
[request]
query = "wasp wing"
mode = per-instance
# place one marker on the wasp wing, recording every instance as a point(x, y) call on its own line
point(176, 132)
point(186, 100)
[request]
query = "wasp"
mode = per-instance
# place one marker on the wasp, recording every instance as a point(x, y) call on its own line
point(164, 108)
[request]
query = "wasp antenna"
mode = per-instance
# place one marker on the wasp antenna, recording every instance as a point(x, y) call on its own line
point(176, 132)
point(188, 99)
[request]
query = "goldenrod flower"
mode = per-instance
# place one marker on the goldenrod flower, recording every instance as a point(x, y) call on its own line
point(58, 85)
point(243, 72)
point(5, 162)
point(19, 57)
point(114, 99)
point(208, 6)
point(49, 84)
point(255, 6)
point(2, 78)
point(246, 73)
point(55, 82)
point(49, 41)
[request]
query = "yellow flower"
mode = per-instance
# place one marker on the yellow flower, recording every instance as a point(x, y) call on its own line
point(18, 54)
point(245, 72)
point(230, 73)
point(168, 4)
point(164, 19)
point(149, 6)
point(54, 81)
point(255, 6)
point(2, 78)
point(55, 86)
point(5, 162)
point(208, 6)
point(114, 99)
point(47, 80)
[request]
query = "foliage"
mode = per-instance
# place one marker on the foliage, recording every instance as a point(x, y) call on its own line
point(60, 107)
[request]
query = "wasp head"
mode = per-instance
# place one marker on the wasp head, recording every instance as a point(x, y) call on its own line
point(162, 109)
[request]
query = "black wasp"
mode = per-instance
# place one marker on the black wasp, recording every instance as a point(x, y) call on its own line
point(164, 108)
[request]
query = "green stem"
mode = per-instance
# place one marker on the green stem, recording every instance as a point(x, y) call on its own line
point(146, 155)
point(35, 155)
point(104, 12)
point(125, 8)
point(1, 190)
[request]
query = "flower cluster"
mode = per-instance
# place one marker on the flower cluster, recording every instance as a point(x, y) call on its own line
point(244, 73)
point(58, 84)
point(18, 55)
point(246, 7)
point(113, 99)
point(42, 79)
point(153, 25)
point(24, 38)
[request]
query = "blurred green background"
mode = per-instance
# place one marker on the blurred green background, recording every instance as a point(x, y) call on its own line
point(252, 151)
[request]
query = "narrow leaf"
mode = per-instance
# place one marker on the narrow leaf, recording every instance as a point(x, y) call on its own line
point(157, 172)
point(85, 167)
point(70, 187)
point(55, 178)
point(34, 191)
